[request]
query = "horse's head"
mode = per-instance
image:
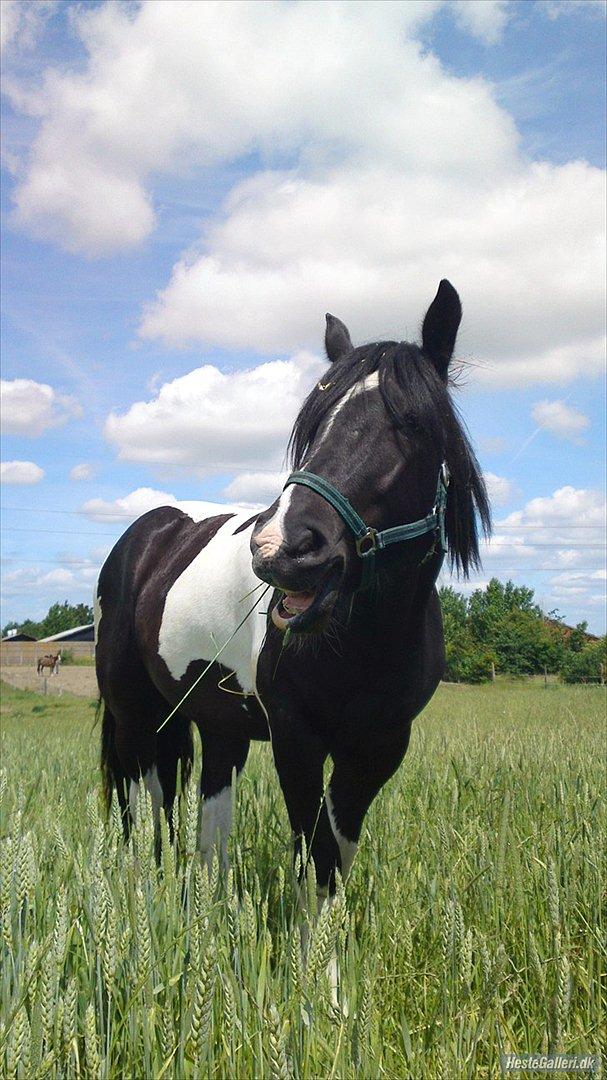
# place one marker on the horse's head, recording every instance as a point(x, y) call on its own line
point(377, 427)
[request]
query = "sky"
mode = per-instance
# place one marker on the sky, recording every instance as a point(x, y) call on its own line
point(188, 187)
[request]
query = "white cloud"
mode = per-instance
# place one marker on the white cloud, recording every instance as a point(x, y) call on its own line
point(209, 421)
point(129, 507)
point(370, 244)
point(556, 8)
point(568, 506)
point(9, 22)
point(256, 488)
point(31, 577)
point(557, 543)
point(171, 84)
point(400, 173)
point(561, 420)
point(138, 502)
point(30, 408)
point(82, 472)
point(485, 19)
point(501, 490)
point(28, 591)
point(20, 472)
point(22, 22)
point(583, 590)
point(565, 529)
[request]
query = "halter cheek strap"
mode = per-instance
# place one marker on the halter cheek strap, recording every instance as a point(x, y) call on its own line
point(369, 541)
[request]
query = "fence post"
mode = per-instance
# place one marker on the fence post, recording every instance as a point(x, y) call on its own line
point(545, 679)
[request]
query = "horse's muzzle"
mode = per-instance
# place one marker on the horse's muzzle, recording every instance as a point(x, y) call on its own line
point(307, 594)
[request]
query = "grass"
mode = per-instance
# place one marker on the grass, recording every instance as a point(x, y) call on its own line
point(471, 923)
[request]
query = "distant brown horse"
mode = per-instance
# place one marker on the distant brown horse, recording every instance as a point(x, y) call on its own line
point(49, 661)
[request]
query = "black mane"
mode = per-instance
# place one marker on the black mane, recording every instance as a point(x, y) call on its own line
point(419, 404)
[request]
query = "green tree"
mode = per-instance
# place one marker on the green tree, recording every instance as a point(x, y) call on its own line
point(488, 608)
point(466, 661)
point(33, 629)
point(587, 664)
point(506, 621)
point(578, 638)
point(524, 644)
point(59, 617)
point(65, 616)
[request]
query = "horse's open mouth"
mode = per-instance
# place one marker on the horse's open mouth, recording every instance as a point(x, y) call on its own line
point(300, 611)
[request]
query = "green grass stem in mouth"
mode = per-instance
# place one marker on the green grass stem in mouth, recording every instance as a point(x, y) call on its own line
point(473, 915)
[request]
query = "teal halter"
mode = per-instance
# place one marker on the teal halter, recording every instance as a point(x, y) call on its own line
point(368, 541)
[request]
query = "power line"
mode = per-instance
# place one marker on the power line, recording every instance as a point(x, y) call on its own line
point(557, 543)
point(53, 532)
point(85, 564)
point(74, 532)
point(497, 525)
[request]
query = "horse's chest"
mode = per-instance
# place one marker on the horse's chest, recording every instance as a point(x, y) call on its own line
point(205, 604)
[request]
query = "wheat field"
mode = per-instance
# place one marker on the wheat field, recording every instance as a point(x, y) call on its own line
point(471, 923)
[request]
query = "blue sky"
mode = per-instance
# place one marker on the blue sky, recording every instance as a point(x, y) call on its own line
point(177, 214)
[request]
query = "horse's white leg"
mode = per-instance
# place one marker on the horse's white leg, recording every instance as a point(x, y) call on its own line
point(347, 848)
point(223, 758)
point(152, 783)
point(347, 853)
point(215, 825)
point(308, 926)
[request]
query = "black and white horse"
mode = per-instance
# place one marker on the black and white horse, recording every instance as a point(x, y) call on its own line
point(352, 549)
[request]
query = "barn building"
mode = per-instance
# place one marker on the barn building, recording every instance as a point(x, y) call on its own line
point(77, 633)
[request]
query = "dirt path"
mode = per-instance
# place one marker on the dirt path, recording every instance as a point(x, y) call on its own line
point(77, 680)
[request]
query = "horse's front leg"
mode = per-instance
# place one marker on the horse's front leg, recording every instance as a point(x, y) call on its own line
point(221, 754)
point(360, 771)
point(299, 757)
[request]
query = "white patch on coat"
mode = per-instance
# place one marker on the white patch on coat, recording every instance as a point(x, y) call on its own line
point(152, 783)
point(369, 383)
point(96, 614)
point(272, 535)
point(347, 848)
point(215, 825)
point(207, 602)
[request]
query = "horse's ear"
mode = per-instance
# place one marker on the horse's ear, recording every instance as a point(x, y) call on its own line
point(337, 339)
point(440, 327)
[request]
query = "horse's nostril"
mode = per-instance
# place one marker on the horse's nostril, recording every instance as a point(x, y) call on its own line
point(310, 541)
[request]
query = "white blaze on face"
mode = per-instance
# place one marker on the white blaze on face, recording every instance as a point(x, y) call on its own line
point(369, 383)
point(272, 535)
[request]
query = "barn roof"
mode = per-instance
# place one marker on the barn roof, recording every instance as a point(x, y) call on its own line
point(84, 633)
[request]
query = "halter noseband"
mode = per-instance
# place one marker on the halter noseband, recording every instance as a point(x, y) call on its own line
point(368, 540)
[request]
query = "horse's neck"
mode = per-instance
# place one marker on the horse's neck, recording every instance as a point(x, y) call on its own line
point(395, 610)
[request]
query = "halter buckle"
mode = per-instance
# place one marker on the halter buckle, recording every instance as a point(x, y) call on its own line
point(366, 543)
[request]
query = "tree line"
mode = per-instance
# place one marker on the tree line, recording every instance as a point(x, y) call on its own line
point(58, 618)
point(501, 630)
